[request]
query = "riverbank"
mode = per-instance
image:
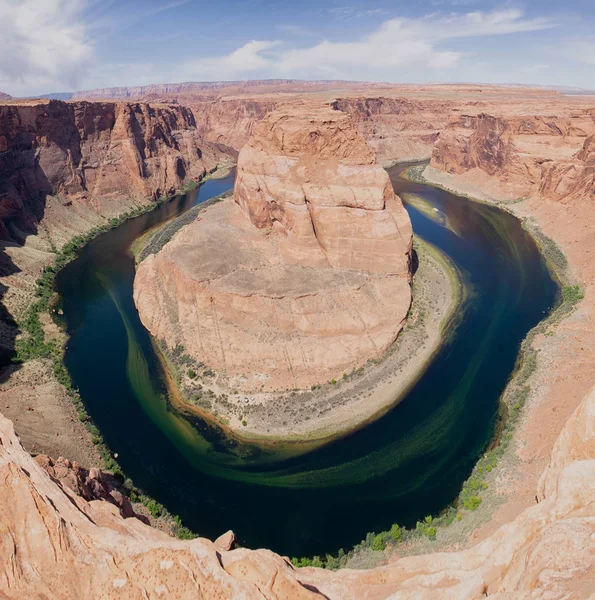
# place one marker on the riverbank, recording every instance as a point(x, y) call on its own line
point(35, 389)
point(315, 416)
point(547, 384)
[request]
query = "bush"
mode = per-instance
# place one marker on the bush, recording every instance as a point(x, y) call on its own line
point(379, 543)
point(396, 533)
point(572, 294)
point(472, 503)
point(191, 373)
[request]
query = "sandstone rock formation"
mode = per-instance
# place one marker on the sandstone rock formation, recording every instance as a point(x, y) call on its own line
point(231, 121)
point(398, 128)
point(49, 535)
point(90, 484)
point(66, 168)
point(101, 158)
point(304, 278)
point(176, 90)
point(527, 155)
point(311, 176)
point(56, 545)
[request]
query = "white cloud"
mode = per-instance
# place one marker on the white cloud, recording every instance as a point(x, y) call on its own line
point(398, 43)
point(48, 45)
point(249, 58)
point(44, 45)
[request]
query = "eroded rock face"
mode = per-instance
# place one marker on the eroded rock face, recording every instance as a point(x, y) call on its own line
point(57, 545)
point(547, 156)
point(311, 176)
point(230, 121)
point(398, 128)
point(96, 157)
point(305, 277)
point(70, 548)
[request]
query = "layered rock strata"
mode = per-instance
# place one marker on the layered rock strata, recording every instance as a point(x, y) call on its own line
point(398, 128)
point(303, 277)
point(66, 168)
point(100, 158)
point(520, 156)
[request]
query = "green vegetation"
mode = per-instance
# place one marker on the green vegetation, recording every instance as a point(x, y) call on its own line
point(472, 503)
point(572, 294)
point(192, 373)
point(32, 344)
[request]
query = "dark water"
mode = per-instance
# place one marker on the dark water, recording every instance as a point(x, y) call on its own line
point(408, 464)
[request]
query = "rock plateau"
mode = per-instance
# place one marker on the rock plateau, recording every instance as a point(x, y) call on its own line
point(303, 277)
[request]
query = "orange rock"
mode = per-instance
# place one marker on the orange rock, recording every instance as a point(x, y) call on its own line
point(305, 278)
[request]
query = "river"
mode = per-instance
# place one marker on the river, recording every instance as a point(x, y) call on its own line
point(410, 463)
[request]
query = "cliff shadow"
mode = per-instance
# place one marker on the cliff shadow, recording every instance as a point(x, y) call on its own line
point(8, 326)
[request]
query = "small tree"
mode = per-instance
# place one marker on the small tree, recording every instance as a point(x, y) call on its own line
point(396, 533)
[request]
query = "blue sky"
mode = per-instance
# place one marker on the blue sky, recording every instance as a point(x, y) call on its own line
point(62, 45)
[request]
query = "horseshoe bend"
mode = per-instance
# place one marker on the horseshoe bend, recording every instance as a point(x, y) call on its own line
point(305, 311)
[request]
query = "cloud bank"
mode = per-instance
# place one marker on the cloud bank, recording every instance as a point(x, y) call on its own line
point(397, 43)
point(52, 45)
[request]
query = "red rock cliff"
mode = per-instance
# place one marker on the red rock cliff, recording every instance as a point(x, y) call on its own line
point(397, 128)
point(103, 157)
point(527, 155)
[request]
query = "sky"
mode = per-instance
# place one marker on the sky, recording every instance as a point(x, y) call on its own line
point(65, 45)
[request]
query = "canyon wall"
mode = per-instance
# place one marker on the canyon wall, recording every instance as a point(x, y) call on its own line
point(185, 90)
point(520, 156)
point(230, 121)
point(101, 158)
point(546, 551)
point(66, 168)
point(304, 277)
point(397, 128)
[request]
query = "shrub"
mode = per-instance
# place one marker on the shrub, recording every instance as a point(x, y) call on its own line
point(191, 373)
point(379, 543)
point(572, 294)
point(396, 533)
point(472, 503)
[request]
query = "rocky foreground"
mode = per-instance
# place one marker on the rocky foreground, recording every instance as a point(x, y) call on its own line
point(303, 276)
point(56, 545)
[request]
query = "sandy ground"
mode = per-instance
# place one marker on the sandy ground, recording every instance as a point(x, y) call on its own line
point(359, 397)
point(44, 415)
